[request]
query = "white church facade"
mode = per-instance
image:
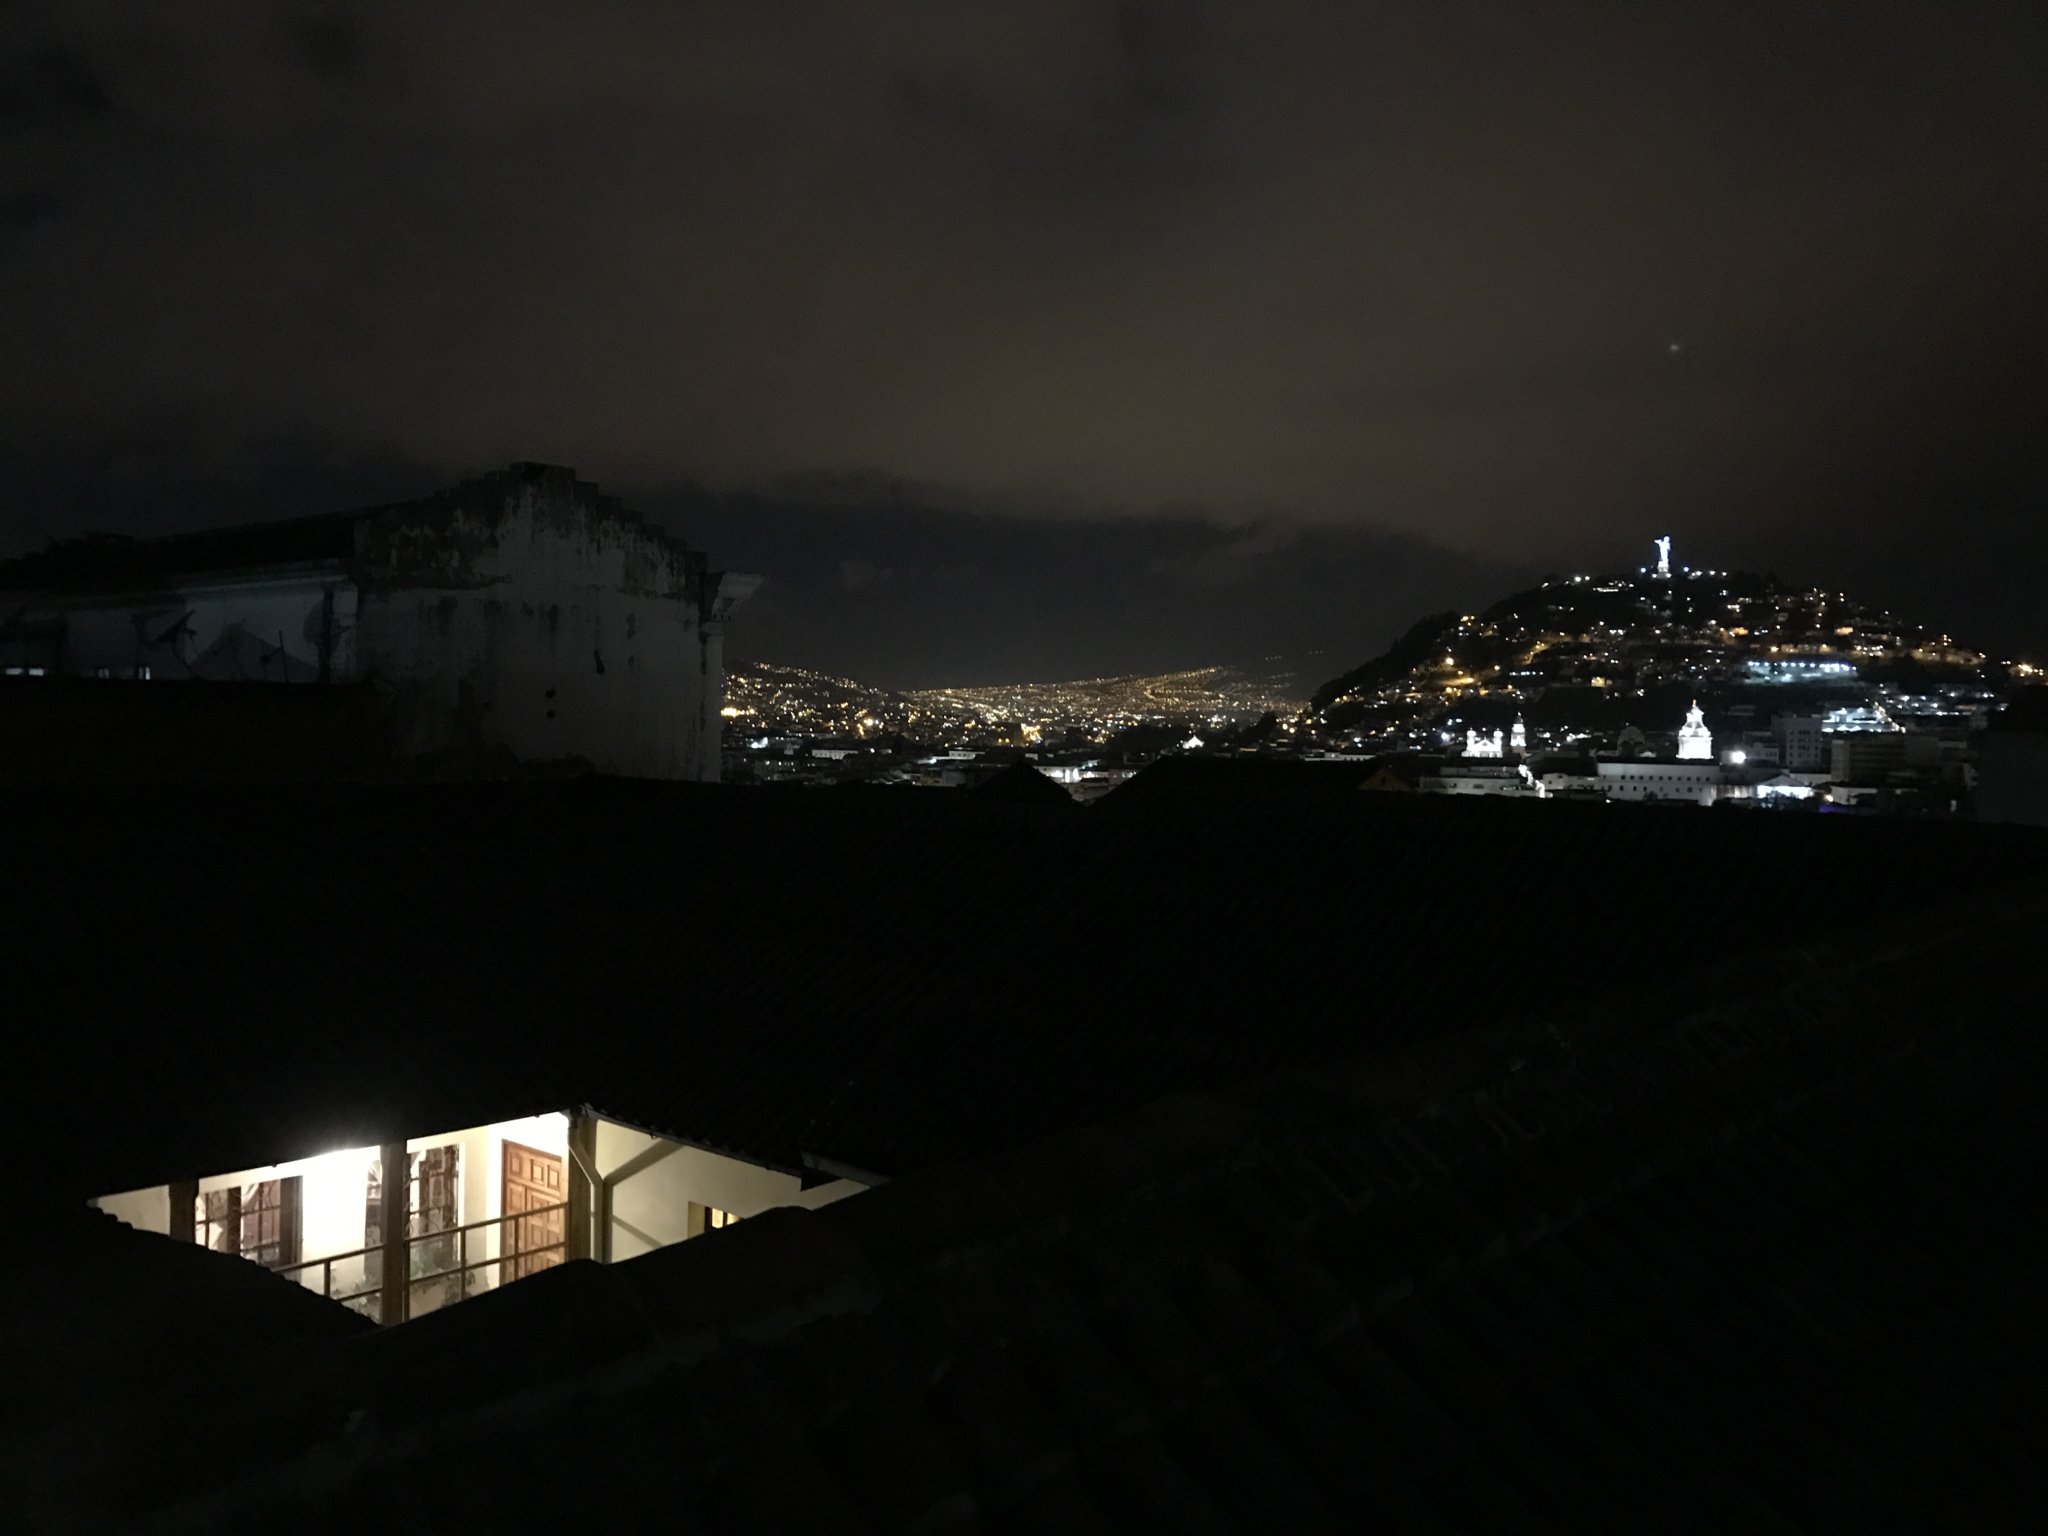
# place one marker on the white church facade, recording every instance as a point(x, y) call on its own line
point(1494, 745)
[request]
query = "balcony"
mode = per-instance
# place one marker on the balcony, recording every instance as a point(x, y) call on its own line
point(442, 1267)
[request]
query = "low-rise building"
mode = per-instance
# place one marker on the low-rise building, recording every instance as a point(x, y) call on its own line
point(1463, 776)
point(521, 614)
point(1568, 777)
point(1800, 742)
point(1873, 759)
point(2012, 762)
point(1684, 781)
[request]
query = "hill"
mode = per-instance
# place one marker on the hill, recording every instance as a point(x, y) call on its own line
point(1595, 649)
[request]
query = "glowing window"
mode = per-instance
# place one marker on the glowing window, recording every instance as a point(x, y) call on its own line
point(256, 1221)
point(709, 1218)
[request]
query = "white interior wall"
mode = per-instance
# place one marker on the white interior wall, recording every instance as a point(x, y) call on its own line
point(333, 1185)
point(543, 1133)
point(146, 1209)
point(651, 1208)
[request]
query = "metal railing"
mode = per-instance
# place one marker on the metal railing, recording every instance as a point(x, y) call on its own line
point(371, 1288)
point(465, 1266)
point(368, 1298)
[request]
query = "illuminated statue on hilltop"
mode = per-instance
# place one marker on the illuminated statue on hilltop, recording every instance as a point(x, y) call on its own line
point(1664, 555)
point(1695, 741)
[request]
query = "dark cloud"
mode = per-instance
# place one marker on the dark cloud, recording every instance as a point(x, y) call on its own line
point(911, 588)
point(1166, 60)
point(51, 83)
point(1314, 278)
point(24, 208)
point(857, 574)
point(328, 46)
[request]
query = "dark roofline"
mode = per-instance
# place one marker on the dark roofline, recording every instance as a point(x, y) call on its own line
point(804, 1169)
point(117, 562)
point(1665, 760)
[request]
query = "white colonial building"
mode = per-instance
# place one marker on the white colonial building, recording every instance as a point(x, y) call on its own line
point(521, 614)
point(1461, 776)
point(1685, 780)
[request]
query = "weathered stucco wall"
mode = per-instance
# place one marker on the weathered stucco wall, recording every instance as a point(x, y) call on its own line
point(532, 615)
point(519, 615)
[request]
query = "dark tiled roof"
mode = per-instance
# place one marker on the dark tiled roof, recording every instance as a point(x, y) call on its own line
point(747, 968)
point(60, 730)
point(880, 980)
point(223, 979)
point(1191, 785)
point(1762, 1262)
point(94, 1306)
point(1204, 935)
point(1022, 784)
point(1407, 767)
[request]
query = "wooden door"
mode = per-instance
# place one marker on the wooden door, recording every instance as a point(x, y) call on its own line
point(533, 1182)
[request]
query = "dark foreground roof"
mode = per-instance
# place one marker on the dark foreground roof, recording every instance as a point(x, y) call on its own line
point(1020, 784)
point(1766, 1262)
point(875, 980)
point(225, 979)
point(1208, 932)
point(96, 1309)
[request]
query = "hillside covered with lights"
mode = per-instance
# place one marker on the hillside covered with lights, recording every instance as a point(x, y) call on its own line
point(768, 697)
point(1603, 652)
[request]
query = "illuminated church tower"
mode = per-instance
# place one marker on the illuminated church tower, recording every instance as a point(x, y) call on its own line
point(1695, 741)
point(1518, 738)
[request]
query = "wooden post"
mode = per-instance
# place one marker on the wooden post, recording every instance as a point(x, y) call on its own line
point(396, 1180)
point(184, 1195)
point(582, 1177)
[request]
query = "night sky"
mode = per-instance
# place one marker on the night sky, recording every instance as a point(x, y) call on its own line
point(1013, 341)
